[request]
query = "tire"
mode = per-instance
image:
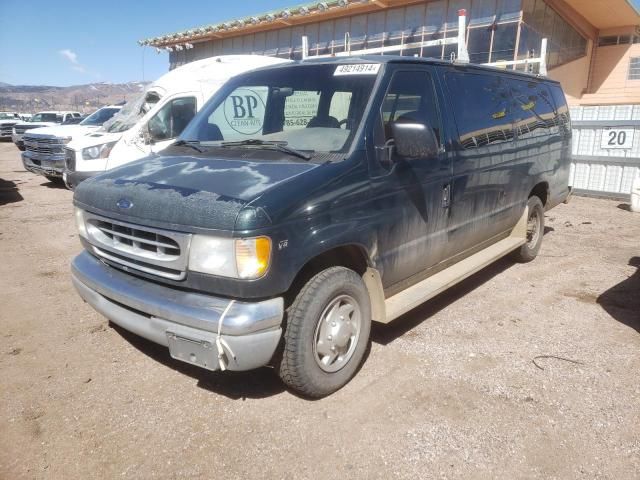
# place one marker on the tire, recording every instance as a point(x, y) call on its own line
point(309, 364)
point(535, 232)
point(22, 149)
point(56, 180)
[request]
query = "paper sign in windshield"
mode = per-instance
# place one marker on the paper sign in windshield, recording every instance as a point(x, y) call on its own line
point(357, 69)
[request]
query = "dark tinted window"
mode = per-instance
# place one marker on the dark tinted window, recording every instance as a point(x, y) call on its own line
point(483, 108)
point(562, 109)
point(411, 99)
point(534, 109)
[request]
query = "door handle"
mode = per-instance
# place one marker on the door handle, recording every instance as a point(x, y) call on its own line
point(446, 195)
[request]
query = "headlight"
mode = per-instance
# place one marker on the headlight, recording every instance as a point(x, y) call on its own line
point(98, 151)
point(80, 223)
point(66, 140)
point(246, 258)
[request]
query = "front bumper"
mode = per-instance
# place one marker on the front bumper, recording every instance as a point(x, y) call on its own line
point(48, 168)
point(186, 322)
point(73, 179)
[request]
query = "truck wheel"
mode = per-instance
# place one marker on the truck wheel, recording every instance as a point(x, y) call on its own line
point(535, 232)
point(56, 180)
point(22, 149)
point(327, 333)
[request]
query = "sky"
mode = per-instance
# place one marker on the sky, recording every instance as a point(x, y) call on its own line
point(70, 42)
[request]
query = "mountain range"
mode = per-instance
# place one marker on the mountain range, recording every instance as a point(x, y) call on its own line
point(84, 98)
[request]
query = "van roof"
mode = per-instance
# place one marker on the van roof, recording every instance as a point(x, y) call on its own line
point(213, 70)
point(419, 60)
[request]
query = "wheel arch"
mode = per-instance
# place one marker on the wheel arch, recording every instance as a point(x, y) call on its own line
point(540, 190)
point(353, 256)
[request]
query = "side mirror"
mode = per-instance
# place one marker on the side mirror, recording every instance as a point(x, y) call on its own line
point(414, 140)
point(145, 135)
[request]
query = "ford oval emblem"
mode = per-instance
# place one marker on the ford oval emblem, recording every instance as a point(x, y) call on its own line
point(124, 204)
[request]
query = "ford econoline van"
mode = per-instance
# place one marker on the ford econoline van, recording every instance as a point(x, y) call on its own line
point(305, 201)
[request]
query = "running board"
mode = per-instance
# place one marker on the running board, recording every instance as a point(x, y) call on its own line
point(419, 293)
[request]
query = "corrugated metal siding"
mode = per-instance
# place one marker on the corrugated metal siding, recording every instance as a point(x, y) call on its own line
point(604, 171)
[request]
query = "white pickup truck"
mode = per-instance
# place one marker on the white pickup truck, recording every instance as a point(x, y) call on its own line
point(7, 121)
point(41, 119)
point(44, 147)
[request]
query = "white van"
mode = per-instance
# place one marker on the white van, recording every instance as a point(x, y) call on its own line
point(155, 119)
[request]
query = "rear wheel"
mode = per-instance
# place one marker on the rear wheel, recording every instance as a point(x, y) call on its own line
point(327, 333)
point(535, 232)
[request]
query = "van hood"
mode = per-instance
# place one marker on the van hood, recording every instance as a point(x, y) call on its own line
point(92, 138)
point(185, 192)
point(60, 131)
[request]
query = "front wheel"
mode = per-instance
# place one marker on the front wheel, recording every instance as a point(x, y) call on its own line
point(535, 232)
point(327, 333)
point(56, 180)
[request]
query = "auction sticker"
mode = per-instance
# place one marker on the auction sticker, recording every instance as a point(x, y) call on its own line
point(357, 69)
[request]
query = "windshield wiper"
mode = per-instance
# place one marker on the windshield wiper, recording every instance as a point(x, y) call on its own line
point(276, 145)
point(189, 143)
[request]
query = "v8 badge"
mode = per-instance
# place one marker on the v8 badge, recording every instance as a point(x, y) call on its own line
point(283, 244)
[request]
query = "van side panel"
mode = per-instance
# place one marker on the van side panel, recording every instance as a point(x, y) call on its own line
point(511, 137)
point(559, 181)
point(489, 174)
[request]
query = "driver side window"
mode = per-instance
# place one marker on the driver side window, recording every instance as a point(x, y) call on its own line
point(171, 119)
point(410, 99)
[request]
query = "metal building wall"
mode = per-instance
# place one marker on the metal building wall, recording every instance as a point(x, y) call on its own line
point(604, 171)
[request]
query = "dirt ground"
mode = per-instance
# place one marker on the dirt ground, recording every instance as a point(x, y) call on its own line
point(451, 390)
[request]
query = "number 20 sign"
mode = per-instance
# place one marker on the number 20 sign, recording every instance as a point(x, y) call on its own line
point(617, 138)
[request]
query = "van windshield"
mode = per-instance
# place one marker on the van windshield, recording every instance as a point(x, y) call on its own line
point(99, 117)
point(312, 108)
point(132, 112)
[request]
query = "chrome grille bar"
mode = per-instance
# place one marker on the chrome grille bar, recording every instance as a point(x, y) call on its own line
point(160, 252)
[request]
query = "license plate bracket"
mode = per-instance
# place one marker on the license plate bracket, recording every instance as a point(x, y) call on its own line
point(193, 347)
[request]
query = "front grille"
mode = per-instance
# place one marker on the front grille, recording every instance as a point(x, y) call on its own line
point(159, 252)
point(6, 128)
point(136, 239)
point(70, 159)
point(44, 146)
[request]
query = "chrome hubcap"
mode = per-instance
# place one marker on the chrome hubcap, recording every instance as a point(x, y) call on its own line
point(533, 228)
point(337, 333)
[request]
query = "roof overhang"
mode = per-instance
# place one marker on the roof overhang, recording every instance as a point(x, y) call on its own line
point(606, 13)
point(291, 16)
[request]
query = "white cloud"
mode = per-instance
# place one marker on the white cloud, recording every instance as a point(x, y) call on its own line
point(72, 58)
point(69, 55)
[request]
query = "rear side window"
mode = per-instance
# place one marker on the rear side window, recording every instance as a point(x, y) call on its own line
point(562, 109)
point(483, 108)
point(534, 109)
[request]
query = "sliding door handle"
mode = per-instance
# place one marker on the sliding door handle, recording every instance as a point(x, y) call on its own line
point(446, 195)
